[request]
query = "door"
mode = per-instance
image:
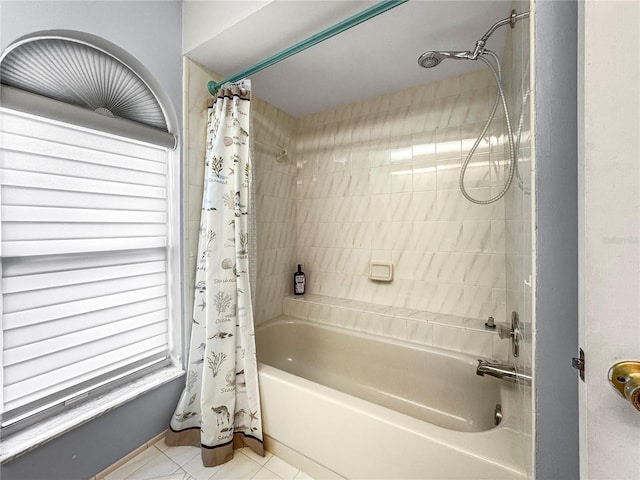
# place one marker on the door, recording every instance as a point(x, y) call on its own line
point(609, 125)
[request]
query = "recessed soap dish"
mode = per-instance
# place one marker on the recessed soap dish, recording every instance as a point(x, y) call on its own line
point(381, 271)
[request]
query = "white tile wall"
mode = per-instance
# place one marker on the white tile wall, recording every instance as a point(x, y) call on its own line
point(378, 181)
point(276, 206)
point(392, 195)
point(451, 332)
point(275, 192)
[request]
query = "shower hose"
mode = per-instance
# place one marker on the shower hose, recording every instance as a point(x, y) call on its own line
point(497, 74)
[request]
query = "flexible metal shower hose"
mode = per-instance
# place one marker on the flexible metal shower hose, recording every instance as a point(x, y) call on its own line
point(512, 160)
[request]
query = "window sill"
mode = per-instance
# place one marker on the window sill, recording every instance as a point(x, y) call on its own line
point(22, 442)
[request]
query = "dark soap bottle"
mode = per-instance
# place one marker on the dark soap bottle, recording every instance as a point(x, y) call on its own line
point(298, 281)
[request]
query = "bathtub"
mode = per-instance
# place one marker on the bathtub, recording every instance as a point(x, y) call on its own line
point(367, 407)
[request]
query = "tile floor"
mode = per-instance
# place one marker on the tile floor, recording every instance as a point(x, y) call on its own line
point(160, 462)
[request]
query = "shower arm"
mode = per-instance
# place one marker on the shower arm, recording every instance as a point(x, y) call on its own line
point(511, 20)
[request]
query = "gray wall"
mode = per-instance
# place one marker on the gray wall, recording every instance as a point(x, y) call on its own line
point(91, 448)
point(151, 32)
point(556, 400)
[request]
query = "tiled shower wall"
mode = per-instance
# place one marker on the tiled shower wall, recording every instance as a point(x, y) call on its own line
point(374, 181)
point(275, 182)
point(274, 195)
point(378, 181)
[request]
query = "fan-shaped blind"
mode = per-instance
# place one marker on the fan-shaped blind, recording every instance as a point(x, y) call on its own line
point(79, 74)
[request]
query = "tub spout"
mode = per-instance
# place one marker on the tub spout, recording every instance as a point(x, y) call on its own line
point(503, 372)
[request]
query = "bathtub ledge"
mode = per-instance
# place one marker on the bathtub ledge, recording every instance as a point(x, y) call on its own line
point(450, 332)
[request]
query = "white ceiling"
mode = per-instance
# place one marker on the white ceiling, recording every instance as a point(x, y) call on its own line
point(373, 58)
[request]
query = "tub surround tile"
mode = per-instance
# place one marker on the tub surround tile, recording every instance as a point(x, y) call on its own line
point(401, 178)
point(423, 316)
point(397, 191)
point(350, 318)
point(477, 343)
point(451, 320)
point(419, 332)
point(373, 323)
point(451, 332)
point(501, 348)
point(394, 327)
point(319, 312)
point(375, 308)
point(400, 312)
point(449, 338)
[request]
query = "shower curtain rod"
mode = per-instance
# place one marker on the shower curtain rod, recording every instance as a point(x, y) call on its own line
point(339, 27)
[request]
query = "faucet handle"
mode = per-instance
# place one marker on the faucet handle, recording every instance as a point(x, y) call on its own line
point(513, 332)
point(504, 331)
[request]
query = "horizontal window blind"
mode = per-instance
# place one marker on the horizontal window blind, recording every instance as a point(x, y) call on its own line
point(84, 228)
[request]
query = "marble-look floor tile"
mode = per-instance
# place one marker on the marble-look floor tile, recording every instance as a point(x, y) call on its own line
point(265, 474)
point(198, 471)
point(303, 476)
point(255, 457)
point(181, 455)
point(281, 468)
point(136, 463)
point(160, 466)
point(240, 468)
point(182, 475)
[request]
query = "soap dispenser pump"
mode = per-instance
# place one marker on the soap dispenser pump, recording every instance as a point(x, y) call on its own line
point(299, 281)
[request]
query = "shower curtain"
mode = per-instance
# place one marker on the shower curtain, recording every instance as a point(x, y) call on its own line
point(219, 409)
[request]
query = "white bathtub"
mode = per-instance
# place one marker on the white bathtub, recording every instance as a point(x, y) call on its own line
point(367, 407)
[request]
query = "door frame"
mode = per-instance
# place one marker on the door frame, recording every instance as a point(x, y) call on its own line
point(554, 43)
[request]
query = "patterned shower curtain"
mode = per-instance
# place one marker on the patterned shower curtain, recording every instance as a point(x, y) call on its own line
point(219, 409)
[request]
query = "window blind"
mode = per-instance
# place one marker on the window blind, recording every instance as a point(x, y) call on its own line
point(83, 239)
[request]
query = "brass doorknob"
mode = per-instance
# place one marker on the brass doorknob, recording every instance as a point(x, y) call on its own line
point(625, 378)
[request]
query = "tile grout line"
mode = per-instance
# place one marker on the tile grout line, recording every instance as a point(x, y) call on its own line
point(180, 470)
point(131, 455)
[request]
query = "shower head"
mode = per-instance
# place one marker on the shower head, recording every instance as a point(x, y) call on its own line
point(431, 59)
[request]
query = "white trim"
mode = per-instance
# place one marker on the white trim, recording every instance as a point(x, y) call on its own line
point(1, 313)
point(174, 259)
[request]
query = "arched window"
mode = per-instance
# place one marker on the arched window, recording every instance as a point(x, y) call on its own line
point(89, 238)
